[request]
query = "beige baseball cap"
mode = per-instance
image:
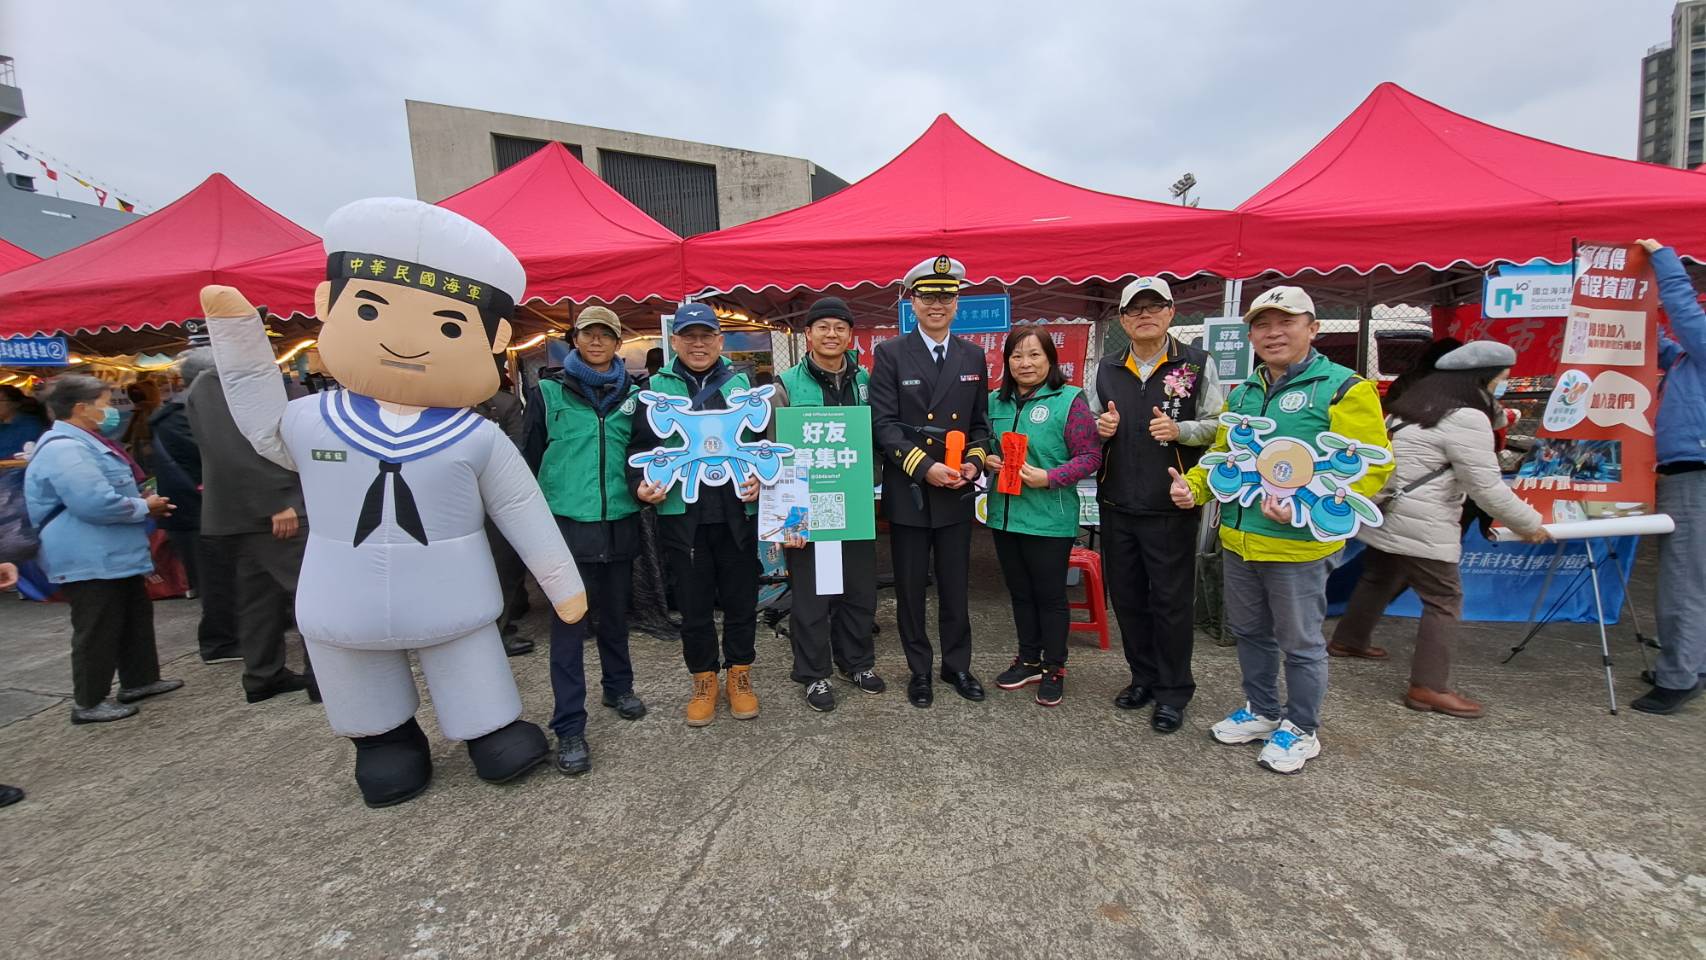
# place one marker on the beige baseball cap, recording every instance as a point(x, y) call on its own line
point(1154, 285)
point(1290, 300)
point(596, 316)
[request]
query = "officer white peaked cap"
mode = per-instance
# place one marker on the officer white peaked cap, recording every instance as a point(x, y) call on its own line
point(940, 272)
point(397, 228)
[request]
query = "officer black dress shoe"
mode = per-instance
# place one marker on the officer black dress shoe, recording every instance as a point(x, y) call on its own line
point(1134, 697)
point(515, 646)
point(573, 757)
point(10, 795)
point(918, 692)
point(626, 705)
point(1166, 719)
point(965, 685)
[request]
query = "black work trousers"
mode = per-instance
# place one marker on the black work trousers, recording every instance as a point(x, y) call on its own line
point(837, 628)
point(112, 628)
point(266, 572)
point(1035, 571)
point(1150, 565)
point(916, 551)
point(608, 587)
point(215, 583)
point(719, 569)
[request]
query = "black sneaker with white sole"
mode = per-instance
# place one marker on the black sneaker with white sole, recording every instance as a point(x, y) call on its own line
point(866, 680)
point(1020, 674)
point(1052, 688)
point(819, 696)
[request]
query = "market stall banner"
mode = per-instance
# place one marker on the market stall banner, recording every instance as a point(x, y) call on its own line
point(1071, 346)
point(1536, 340)
point(1502, 580)
point(49, 351)
point(1593, 454)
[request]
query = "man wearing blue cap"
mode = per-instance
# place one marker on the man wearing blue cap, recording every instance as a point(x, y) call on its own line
point(711, 545)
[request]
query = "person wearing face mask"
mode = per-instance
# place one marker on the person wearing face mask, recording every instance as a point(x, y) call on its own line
point(1442, 438)
point(83, 492)
point(1034, 529)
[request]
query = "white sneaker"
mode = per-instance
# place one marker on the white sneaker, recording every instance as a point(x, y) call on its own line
point(1243, 726)
point(1288, 749)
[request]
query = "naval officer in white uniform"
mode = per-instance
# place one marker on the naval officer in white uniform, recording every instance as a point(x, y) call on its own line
point(399, 476)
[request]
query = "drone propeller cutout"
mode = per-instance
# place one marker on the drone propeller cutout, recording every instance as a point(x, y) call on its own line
point(1316, 483)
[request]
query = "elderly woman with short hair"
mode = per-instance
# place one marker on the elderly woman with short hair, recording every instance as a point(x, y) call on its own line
point(83, 494)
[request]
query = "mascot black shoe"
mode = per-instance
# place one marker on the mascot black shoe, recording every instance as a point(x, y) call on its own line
point(394, 766)
point(508, 752)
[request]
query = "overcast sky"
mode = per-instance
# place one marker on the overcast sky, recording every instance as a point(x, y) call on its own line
point(301, 103)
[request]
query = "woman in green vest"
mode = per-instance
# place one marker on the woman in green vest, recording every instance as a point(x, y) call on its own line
point(1035, 528)
point(579, 421)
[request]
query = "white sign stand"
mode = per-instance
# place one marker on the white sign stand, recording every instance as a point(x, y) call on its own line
point(828, 557)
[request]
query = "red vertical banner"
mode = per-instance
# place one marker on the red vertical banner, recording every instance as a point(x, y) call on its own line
point(1593, 455)
point(1071, 347)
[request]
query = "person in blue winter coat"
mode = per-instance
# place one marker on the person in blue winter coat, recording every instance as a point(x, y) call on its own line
point(1680, 431)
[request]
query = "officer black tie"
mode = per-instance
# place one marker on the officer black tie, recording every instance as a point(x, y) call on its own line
point(940, 349)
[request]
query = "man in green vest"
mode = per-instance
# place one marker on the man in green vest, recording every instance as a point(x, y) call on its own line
point(831, 628)
point(711, 545)
point(1275, 573)
point(578, 424)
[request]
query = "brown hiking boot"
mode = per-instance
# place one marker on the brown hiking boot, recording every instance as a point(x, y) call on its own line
point(702, 709)
point(743, 703)
point(1450, 704)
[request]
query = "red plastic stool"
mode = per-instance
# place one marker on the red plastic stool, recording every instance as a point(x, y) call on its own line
point(1095, 601)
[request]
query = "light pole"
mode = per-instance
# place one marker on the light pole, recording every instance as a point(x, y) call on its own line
point(1181, 188)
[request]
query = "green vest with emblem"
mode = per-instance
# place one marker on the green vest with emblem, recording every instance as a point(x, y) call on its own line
point(582, 444)
point(1301, 409)
point(1040, 512)
point(666, 381)
point(804, 390)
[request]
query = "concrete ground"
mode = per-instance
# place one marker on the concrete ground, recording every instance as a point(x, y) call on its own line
point(206, 827)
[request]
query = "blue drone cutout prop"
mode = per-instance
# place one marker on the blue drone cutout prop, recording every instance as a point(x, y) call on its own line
point(714, 452)
point(1316, 483)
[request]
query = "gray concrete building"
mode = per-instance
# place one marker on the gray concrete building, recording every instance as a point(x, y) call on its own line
point(1673, 92)
point(689, 187)
point(11, 98)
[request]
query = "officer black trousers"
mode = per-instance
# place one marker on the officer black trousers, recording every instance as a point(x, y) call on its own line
point(836, 627)
point(216, 586)
point(913, 549)
point(112, 627)
point(720, 569)
point(1150, 565)
point(1035, 571)
point(608, 587)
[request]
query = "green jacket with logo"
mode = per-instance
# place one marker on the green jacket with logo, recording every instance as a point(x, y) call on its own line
point(1041, 417)
point(583, 445)
point(667, 381)
point(1315, 395)
point(804, 389)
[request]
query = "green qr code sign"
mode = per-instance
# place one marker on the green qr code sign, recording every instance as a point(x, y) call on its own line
point(829, 511)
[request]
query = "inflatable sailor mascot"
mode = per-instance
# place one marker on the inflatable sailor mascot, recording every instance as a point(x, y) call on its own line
point(399, 476)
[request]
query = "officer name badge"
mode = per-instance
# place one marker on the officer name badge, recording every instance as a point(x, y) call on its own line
point(330, 456)
point(912, 383)
point(968, 378)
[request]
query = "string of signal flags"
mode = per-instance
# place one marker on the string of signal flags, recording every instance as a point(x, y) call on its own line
point(53, 171)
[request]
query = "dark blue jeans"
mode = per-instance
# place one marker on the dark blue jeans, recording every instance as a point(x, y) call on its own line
point(607, 592)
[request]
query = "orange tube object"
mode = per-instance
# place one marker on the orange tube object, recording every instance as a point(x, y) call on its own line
point(956, 445)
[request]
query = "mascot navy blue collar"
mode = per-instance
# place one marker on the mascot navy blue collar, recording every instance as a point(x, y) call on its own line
point(356, 419)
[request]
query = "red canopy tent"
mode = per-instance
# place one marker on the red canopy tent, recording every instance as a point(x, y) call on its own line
point(1403, 182)
point(575, 235)
point(148, 274)
point(13, 256)
point(950, 193)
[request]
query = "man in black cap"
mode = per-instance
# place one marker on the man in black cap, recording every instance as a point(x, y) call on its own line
point(835, 627)
point(925, 387)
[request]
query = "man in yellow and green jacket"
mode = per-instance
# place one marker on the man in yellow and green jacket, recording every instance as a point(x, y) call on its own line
point(1275, 573)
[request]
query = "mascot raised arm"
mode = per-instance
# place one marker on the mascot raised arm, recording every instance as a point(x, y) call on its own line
point(399, 475)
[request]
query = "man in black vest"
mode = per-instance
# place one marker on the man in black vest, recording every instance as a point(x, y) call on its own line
point(1172, 394)
point(925, 386)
